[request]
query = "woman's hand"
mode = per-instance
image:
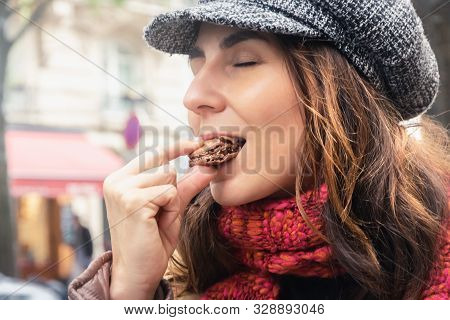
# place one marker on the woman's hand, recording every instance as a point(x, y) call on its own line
point(144, 214)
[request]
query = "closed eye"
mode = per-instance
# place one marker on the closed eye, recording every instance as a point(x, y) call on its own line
point(245, 64)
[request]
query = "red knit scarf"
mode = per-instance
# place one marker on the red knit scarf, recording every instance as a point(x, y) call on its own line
point(271, 237)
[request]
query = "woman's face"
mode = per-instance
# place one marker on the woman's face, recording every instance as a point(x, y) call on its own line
point(241, 87)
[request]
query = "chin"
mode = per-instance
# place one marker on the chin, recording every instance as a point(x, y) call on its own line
point(225, 196)
point(233, 192)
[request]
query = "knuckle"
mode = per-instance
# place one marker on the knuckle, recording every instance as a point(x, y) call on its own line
point(127, 202)
point(171, 190)
point(128, 208)
point(166, 192)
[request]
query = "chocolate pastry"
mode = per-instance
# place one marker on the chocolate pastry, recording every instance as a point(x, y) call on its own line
point(216, 151)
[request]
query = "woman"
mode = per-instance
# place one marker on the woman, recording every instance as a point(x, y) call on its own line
point(346, 203)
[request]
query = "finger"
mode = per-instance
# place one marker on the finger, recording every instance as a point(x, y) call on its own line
point(168, 202)
point(196, 179)
point(166, 198)
point(161, 155)
point(153, 198)
point(161, 175)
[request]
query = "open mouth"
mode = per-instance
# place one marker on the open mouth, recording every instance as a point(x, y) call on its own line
point(216, 151)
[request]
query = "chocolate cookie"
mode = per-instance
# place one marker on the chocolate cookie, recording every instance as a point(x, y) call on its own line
point(216, 151)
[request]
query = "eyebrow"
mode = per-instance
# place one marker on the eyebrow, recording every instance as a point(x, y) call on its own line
point(230, 41)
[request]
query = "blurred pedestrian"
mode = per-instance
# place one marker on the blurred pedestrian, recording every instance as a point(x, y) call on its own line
point(82, 244)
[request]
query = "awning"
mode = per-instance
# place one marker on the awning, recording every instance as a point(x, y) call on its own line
point(55, 163)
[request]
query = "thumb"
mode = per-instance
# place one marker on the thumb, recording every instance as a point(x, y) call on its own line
point(195, 180)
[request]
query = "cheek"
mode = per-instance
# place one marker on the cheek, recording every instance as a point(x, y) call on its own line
point(274, 111)
point(264, 95)
point(267, 101)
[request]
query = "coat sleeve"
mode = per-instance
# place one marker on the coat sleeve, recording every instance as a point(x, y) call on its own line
point(93, 283)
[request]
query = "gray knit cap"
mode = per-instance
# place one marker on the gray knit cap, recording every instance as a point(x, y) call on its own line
point(383, 39)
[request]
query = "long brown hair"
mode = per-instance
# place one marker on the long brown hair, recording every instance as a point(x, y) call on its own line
point(387, 188)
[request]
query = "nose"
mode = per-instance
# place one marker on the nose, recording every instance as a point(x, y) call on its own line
point(204, 94)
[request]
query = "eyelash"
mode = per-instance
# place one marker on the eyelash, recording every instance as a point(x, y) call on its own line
point(245, 64)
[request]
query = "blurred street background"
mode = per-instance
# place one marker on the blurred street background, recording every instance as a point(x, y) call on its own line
point(77, 85)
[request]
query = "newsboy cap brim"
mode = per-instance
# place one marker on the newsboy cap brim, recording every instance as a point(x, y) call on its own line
point(383, 39)
point(176, 32)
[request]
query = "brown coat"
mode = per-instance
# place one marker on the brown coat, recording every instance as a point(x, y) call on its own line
point(93, 283)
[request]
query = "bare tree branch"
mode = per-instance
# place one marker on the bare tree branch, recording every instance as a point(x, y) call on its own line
point(4, 13)
point(36, 15)
point(7, 8)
